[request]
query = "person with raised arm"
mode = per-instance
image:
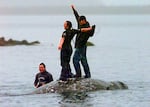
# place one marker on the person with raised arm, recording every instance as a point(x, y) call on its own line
point(80, 45)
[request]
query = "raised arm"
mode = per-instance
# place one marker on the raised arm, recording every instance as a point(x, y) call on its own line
point(75, 14)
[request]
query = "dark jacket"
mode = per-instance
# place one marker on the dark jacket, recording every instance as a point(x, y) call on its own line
point(43, 78)
point(82, 37)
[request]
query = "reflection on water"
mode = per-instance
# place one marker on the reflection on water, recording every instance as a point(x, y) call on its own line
point(74, 97)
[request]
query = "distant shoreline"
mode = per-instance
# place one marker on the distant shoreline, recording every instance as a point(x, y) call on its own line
point(67, 10)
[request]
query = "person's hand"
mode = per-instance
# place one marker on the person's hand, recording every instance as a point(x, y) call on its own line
point(59, 47)
point(36, 86)
point(93, 26)
point(93, 30)
point(72, 6)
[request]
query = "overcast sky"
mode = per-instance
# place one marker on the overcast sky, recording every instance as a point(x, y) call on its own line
point(26, 3)
point(126, 2)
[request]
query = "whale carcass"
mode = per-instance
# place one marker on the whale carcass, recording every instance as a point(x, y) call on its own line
point(79, 85)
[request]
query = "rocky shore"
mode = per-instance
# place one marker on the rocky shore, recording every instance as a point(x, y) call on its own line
point(12, 42)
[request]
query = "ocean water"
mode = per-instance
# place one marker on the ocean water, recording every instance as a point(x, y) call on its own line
point(121, 53)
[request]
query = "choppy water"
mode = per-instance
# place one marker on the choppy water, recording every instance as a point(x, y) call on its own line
point(121, 52)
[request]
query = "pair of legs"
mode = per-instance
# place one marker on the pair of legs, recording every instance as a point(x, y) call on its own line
point(80, 55)
point(65, 63)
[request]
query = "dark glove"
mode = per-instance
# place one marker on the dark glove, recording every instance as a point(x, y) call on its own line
point(93, 30)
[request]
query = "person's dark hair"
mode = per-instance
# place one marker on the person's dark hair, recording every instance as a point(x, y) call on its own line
point(82, 18)
point(43, 64)
point(69, 24)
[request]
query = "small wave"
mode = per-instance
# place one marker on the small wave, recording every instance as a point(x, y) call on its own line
point(13, 94)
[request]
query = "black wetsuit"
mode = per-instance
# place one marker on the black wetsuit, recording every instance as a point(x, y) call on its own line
point(66, 52)
point(43, 78)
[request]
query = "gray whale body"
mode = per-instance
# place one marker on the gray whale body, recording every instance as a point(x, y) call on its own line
point(79, 85)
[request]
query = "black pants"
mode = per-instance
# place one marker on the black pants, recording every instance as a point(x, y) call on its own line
point(65, 63)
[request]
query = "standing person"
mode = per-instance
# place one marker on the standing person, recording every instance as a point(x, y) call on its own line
point(43, 77)
point(80, 45)
point(66, 48)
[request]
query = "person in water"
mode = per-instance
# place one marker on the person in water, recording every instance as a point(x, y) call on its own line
point(43, 77)
point(80, 45)
point(66, 49)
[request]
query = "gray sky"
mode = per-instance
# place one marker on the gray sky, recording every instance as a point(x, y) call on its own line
point(22, 7)
point(126, 2)
point(26, 3)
